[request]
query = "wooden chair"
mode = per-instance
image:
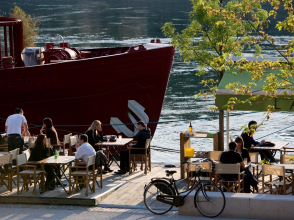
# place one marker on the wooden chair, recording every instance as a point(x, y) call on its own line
point(276, 186)
point(139, 157)
point(73, 140)
point(215, 155)
point(254, 164)
point(7, 161)
point(84, 174)
point(285, 160)
point(14, 153)
point(229, 184)
point(206, 168)
point(28, 176)
point(66, 142)
point(4, 147)
point(27, 153)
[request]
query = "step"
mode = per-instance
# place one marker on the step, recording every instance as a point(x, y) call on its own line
point(243, 205)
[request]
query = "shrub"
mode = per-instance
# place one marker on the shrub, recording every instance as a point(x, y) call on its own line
point(30, 26)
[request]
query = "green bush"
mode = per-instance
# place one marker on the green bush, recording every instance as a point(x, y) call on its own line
point(30, 26)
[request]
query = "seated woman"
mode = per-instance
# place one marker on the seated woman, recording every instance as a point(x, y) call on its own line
point(95, 135)
point(50, 132)
point(244, 154)
point(38, 153)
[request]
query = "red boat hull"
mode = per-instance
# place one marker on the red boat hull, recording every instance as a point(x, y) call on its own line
point(75, 93)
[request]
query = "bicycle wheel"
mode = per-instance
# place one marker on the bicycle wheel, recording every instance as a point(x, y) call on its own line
point(210, 200)
point(155, 188)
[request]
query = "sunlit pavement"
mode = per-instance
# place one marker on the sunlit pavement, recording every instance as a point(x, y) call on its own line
point(20, 212)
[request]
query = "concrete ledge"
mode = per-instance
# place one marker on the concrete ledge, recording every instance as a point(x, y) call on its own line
point(242, 205)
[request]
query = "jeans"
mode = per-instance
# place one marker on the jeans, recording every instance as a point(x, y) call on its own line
point(249, 180)
point(16, 142)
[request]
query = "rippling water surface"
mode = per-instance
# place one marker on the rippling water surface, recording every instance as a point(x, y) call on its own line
point(93, 23)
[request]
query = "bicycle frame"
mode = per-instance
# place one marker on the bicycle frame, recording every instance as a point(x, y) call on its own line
point(179, 200)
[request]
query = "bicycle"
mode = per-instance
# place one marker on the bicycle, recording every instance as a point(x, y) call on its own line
point(161, 194)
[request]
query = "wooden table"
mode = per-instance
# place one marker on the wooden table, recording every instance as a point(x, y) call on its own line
point(116, 146)
point(279, 145)
point(60, 161)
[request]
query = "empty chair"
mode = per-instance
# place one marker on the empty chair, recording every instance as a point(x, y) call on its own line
point(229, 183)
point(206, 168)
point(276, 186)
point(28, 176)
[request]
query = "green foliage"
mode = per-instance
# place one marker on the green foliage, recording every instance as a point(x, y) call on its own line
point(264, 161)
point(217, 32)
point(30, 26)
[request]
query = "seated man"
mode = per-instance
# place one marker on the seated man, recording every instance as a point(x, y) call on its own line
point(232, 157)
point(84, 149)
point(143, 134)
point(249, 141)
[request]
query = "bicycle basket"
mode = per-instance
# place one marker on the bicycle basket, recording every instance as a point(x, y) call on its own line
point(163, 188)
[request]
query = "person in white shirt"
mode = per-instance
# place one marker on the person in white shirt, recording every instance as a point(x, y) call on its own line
point(13, 126)
point(84, 149)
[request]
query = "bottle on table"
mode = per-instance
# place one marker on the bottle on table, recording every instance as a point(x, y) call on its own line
point(190, 128)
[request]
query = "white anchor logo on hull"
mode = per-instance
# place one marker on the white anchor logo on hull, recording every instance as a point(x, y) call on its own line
point(138, 110)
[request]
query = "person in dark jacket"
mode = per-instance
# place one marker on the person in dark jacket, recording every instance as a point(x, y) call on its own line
point(95, 134)
point(38, 153)
point(244, 154)
point(249, 141)
point(50, 132)
point(143, 134)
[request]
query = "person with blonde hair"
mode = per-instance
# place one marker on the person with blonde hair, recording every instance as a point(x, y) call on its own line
point(95, 134)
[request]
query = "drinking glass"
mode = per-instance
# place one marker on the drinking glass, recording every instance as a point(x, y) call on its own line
point(119, 138)
point(270, 138)
point(107, 136)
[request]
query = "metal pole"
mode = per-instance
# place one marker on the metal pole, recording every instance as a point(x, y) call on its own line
point(228, 130)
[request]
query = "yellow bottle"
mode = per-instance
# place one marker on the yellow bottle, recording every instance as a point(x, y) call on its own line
point(190, 128)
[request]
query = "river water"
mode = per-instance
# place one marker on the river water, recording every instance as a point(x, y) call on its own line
point(111, 23)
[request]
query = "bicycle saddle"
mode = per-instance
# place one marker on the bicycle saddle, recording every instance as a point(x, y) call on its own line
point(170, 171)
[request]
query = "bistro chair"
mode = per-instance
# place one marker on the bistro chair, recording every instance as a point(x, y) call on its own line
point(229, 183)
point(276, 186)
point(6, 171)
point(73, 140)
point(84, 174)
point(14, 153)
point(27, 153)
point(215, 155)
point(285, 160)
point(28, 175)
point(206, 168)
point(139, 157)
point(254, 164)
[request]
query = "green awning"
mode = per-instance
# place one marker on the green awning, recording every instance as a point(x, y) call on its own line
point(223, 94)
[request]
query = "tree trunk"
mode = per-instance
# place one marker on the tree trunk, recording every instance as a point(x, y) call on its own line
point(221, 131)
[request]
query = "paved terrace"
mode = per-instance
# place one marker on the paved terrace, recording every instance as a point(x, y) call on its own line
point(126, 191)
